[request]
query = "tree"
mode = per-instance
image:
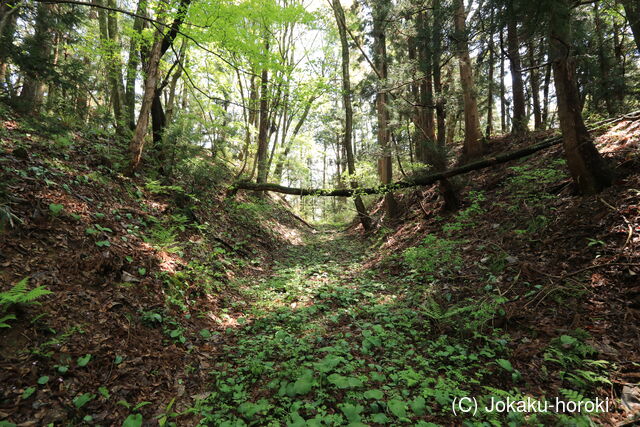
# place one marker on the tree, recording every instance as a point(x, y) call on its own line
point(151, 103)
point(513, 42)
point(110, 38)
point(473, 144)
point(347, 143)
point(380, 9)
point(37, 63)
point(588, 169)
point(632, 9)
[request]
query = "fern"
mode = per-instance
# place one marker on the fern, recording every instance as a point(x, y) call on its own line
point(5, 319)
point(19, 294)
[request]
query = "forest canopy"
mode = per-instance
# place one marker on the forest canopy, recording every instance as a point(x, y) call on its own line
point(324, 95)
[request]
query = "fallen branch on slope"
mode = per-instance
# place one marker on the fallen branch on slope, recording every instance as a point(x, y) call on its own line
point(422, 179)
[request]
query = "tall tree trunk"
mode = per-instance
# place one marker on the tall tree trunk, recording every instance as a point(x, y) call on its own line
point(437, 74)
point(263, 129)
point(424, 111)
point(385, 163)
point(517, 84)
point(132, 65)
point(588, 169)
point(473, 144)
point(604, 89)
point(347, 143)
point(8, 18)
point(503, 90)
point(110, 41)
point(632, 10)
point(491, 86)
point(32, 94)
point(174, 82)
point(137, 142)
point(545, 92)
point(535, 87)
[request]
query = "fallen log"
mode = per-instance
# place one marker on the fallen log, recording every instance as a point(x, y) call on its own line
point(424, 178)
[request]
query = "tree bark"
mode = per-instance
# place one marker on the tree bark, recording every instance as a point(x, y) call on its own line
point(535, 87)
point(263, 128)
point(491, 85)
point(587, 167)
point(437, 74)
point(110, 41)
point(132, 65)
point(503, 101)
point(137, 142)
point(8, 18)
point(604, 89)
point(632, 10)
point(32, 94)
point(385, 164)
point(473, 144)
point(519, 123)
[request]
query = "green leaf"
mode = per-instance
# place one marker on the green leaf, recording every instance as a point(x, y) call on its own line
point(43, 380)
point(344, 382)
point(418, 405)
point(62, 368)
point(83, 360)
point(142, 271)
point(373, 394)
point(505, 364)
point(6, 318)
point(133, 420)
point(28, 392)
point(102, 243)
point(83, 399)
point(6, 424)
point(397, 408)
point(568, 340)
point(104, 392)
point(379, 418)
point(303, 384)
point(140, 405)
point(55, 208)
point(352, 412)
point(118, 360)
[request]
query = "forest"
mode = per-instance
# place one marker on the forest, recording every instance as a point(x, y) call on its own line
point(319, 213)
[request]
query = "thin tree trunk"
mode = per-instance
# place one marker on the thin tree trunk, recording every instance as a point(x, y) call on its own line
point(535, 87)
point(110, 41)
point(437, 74)
point(364, 218)
point(503, 101)
point(132, 65)
point(473, 144)
point(604, 87)
point(588, 169)
point(385, 164)
point(491, 86)
point(263, 129)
